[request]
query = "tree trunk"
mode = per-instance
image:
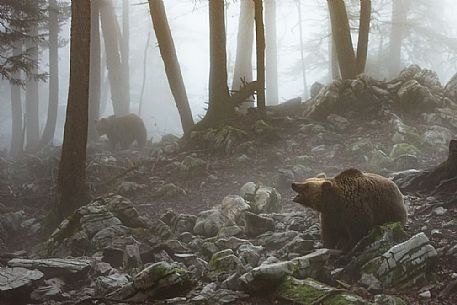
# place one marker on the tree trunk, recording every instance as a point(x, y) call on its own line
point(302, 51)
point(31, 95)
point(219, 105)
point(72, 172)
point(397, 33)
point(145, 70)
point(17, 141)
point(170, 60)
point(364, 32)
point(95, 71)
point(119, 92)
point(53, 106)
point(272, 96)
point(105, 86)
point(244, 46)
point(125, 45)
point(342, 38)
point(260, 51)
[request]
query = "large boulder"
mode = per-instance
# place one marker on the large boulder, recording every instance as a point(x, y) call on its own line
point(261, 199)
point(404, 265)
point(229, 213)
point(16, 284)
point(451, 88)
point(109, 221)
point(268, 276)
point(415, 98)
point(310, 291)
point(438, 136)
point(159, 280)
point(54, 267)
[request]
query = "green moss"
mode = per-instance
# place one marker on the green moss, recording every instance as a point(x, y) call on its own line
point(308, 291)
point(295, 290)
point(399, 301)
point(141, 233)
point(404, 149)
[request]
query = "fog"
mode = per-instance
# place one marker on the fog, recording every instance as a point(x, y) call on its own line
point(189, 26)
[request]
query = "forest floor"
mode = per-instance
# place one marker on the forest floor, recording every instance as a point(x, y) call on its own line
point(266, 153)
point(195, 175)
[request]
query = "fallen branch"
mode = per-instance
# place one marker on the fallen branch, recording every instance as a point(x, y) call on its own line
point(248, 89)
point(123, 174)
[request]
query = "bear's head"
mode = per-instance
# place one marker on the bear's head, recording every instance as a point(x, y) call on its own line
point(310, 191)
point(102, 126)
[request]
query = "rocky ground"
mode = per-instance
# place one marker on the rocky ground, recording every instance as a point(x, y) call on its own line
point(210, 220)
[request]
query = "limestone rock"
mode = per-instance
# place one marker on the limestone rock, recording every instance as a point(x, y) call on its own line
point(404, 265)
point(261, 199)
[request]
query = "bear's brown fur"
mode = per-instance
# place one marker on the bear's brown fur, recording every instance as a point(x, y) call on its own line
point(350, 204)
point(123, 130)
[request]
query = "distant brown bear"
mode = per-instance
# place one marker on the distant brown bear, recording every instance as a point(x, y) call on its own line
point(123, 130)
point(350, 204)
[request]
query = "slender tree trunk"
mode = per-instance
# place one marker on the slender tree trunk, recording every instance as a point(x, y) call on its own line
point(17, 140)
point(244, 46)
point(260, 51)
point(125, 44)
point(334, 61)
point(95, 71)
point(272, 96)
point(145, 70)
point(218, 105)
point(364, 32)
point(119, 92)
point(342, 38)
point(302, 51)
point(397, 33)
point(31, 96)
point(72, 172)
point(53, 106)
point(105, 85)
point(170, 59)
point(334, 69)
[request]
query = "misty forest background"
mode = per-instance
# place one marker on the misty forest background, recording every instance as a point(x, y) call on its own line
point(298, 52)
point(240, 99)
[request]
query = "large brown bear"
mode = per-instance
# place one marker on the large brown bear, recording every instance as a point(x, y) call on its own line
point(350, 204)
point(123, 130)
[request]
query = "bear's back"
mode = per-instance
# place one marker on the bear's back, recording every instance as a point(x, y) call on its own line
point(126, 129)
point(369, 198)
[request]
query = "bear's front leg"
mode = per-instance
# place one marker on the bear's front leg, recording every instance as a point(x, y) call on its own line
point(331, 233)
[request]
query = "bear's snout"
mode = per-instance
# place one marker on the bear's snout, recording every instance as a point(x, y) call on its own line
point(295, 187)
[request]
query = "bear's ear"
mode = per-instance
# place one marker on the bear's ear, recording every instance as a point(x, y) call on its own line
point(321, 175)
point(326, 185)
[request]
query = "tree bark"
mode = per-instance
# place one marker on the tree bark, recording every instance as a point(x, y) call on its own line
point(334, 69)
point(72, 172)
point(364, 32)
point(244, 46)
point(170, 60)
point(397, 33)
point(17, 140)
point(145, 70)
point(95, 71)
point(119, 92)
point(302, 51)
point(125, 45)
point(31, 96)
point(342, 38)
point(218, 105)
point(53, 106)
point(260, 52)
point(272, 95)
